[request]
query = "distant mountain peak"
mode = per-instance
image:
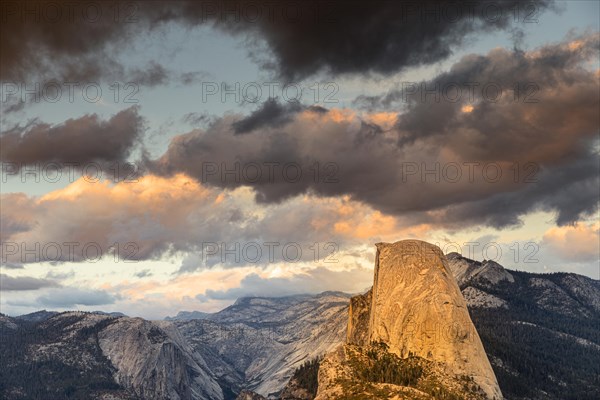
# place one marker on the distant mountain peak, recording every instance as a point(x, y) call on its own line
point(466, 270)
point(187, 315)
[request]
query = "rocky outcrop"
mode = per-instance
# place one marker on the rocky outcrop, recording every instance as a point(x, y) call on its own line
point(7, 322)
point(418, 308)
point(358, 319)
point(371, 372)
point(187, 315)
point(583, 289)
point(477, 298)
point(153, 361)
point(331, 371)
point(249, 395)
point(61, 357)
point(417, 319)
point(294, 391)
point(126, 358)
point(487, 272)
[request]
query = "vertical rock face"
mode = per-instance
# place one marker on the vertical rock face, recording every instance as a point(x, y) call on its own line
point(358, 319)
point(417, 307)
point(153, 361)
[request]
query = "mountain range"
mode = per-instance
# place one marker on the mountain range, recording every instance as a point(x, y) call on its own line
point(540, 332)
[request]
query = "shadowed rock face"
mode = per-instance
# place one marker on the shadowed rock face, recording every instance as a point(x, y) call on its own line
point(358, 319)
point(417, 307)
point(248, 395)
point(153, 361)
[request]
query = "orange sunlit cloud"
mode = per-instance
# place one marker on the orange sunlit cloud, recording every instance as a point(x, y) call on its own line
point(579, 242)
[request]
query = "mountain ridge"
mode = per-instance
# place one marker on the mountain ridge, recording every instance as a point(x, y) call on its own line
point(539, 348)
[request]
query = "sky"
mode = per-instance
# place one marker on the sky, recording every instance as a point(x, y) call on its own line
point(168, 156)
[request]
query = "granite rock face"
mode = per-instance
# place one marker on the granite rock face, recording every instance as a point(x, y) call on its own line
point(417, 307)
point(294, 391)
point(111, 358)
point(153, 361)
point(358, 319)
point(487, 273)
point(249, 395)
point(258, 342)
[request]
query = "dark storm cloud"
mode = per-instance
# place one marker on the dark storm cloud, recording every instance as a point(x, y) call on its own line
point(270, 114)
point(570, 190)
point(74, 41)
point(10, 283)
point(82, 140)
point(376, 36)
point(556, 135)
point(73, 48)
point(546, 79)
point(77, 42)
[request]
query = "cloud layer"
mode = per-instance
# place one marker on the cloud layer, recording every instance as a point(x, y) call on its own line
point(10, 283)
point(477, 163)
point(77, 142)
point(157, 216)
point(489, 162)
point(77, 42)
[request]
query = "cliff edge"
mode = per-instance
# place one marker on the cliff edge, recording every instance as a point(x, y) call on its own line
point(417, 317)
